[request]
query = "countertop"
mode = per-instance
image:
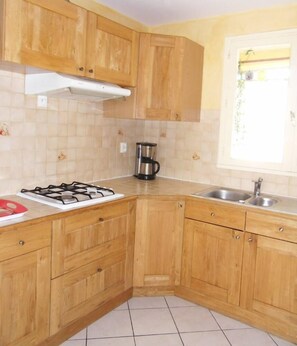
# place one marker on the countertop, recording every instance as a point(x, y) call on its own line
point(130, 186)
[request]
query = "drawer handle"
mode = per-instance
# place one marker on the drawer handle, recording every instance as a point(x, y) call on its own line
point(237, 237)
point(99, 270)
point(81, 68)
point(101, 219)
point(281, 229)
point(212, 214)
point(91, 70)
point(250, 240)
point(21, 242)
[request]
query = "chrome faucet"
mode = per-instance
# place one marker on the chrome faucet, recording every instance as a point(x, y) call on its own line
point(257, 187)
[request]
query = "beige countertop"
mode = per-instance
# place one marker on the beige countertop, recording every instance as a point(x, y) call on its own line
point(130, 186)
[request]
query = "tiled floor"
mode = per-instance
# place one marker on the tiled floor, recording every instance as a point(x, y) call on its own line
point(169, 321)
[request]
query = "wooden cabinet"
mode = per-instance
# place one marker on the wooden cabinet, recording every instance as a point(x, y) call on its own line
point(45, 34)
point(212, 258)
point(59, 36)
point(112, 51)
point(158, 244)
point(269, 286)
point(170, 78)
point(92, 260)
point(24, 285)
point(169, 81)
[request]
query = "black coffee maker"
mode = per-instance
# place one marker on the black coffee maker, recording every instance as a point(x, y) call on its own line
point(146, 166)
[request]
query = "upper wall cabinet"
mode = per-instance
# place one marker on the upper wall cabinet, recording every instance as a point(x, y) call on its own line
point(112, 51)
point(45, 34)
point(170, 78)
point(59, 36)
point(169, 81)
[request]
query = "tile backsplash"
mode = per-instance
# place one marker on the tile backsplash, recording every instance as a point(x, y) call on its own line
point(71, 140)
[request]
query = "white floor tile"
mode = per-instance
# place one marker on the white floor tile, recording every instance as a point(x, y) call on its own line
point(248, 337)
point(194, 319)
point(147, 303)
point(123, 306)
point(215, 338)
point(152, 321)
point(82, 335)
point(229, 323)
point(176, 302)
point(114, 324)
point(159, 340)
point(128, 341)
point(74, 343)
point(281, 342)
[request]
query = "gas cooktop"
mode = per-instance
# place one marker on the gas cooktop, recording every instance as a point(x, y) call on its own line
point(69, 196)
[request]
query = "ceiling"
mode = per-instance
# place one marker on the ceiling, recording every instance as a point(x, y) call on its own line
point(157, 12)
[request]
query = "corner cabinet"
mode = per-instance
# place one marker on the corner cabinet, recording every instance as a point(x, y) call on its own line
point(170, 78)
point(44, 34)
point(25, 284)
point(92, 261)
point(158, 245)
point(212, 253)
point(59, 36)
point(169, 81)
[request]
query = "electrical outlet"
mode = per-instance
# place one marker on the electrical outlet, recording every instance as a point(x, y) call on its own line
point(123, 147)
point(41, 101)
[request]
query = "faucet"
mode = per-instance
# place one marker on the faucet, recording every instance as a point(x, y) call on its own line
point(257, 187)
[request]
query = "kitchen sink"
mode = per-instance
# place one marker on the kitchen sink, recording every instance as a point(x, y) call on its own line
point(227, 195)
point(261, 201)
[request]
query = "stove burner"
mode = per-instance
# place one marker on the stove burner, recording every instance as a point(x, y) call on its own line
point(68, 193)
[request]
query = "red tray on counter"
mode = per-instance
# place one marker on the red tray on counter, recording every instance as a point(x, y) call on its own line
point(10, 209)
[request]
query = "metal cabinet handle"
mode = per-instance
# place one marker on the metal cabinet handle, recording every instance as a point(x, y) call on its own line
point(281, 229)
point(237, 237)
point(101, 219)
point(180, 205)
point(91, 70)
point(81, 68)
point(212, 214)
point(99, 270)
point(250, 240)
point(22, 242)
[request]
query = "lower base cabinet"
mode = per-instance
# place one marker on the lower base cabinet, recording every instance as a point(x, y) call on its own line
point(25, 298)
point(269, 281)
point(212, 259)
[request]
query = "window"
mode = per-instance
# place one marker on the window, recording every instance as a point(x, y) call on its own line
point(258, 127)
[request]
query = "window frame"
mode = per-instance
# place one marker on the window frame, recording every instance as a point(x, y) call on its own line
point(232, 47)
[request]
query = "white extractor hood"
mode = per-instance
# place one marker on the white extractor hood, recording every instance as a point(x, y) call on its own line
point(60, 85)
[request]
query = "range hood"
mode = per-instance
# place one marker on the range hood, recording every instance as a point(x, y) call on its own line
point(61, 85)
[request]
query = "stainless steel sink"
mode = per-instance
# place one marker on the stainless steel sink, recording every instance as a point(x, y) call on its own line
point(262, 201)
point(227, 195)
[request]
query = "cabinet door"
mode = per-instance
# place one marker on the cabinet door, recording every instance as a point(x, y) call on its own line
point(112, 51)
point(158, 243)
point(158, 77)
point(46, 34)
point(81, 291)
point(25, 298)
point(212, 259)
point(269, 285)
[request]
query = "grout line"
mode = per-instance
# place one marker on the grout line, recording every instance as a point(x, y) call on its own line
point(220, 327)
point(272, 339)
point(131, 322)
point(174, 322)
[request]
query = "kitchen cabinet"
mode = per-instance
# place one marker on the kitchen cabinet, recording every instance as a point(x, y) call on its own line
point(269, 286)
point(169, 81)
point(45, 34)
point(25, 284)
point(158, 244)
point(92, 260)
point(112, 51)
point(212, 259)
point(59, 36)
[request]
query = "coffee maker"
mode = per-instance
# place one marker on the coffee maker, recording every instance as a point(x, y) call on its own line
point(146, 166)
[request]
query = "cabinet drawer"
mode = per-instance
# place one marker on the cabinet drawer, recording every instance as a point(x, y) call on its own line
point(22, 240)
point(219, 214)
point(272, 226)
point(87, 236)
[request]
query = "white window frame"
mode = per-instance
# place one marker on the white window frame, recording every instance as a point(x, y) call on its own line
point(232, 46)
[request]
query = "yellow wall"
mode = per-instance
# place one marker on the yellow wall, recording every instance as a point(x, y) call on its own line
point(211, 33)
